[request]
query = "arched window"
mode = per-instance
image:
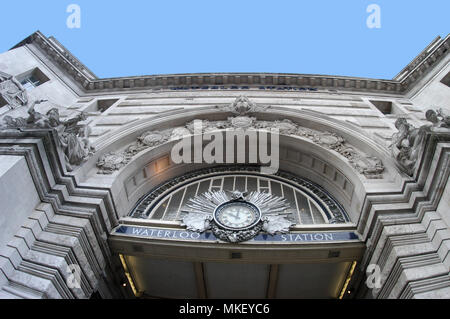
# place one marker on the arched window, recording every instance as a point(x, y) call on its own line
point(309, 203)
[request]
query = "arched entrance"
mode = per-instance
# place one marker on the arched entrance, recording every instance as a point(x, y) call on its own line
point(324, 171)
point(313, 259)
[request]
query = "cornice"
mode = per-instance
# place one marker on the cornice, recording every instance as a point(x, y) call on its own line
point(87, 80)
point(421, 64)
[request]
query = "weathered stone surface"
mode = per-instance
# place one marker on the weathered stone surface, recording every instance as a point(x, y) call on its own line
point(52, 218)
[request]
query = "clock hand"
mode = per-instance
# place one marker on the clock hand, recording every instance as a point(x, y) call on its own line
point(236, 216)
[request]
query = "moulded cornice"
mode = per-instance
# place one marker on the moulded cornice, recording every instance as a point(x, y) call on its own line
point(271, 81)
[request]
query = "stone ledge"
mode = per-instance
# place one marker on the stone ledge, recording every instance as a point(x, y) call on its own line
point(90, 83)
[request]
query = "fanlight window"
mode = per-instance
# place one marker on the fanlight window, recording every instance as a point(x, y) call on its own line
point(309, 203)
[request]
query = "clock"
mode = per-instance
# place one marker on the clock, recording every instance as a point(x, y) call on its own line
point(237, 215)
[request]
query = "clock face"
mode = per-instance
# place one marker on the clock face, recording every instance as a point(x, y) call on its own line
point(236, 215)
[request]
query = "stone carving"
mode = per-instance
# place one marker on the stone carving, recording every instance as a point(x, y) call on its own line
point(207, 126)
point(406, 144)
point(236, 237)
point(438, 118)
point(285, 127)
point(11, 122)
point(74, 140)
point(241, 122)
point(408, 141)
point(197, 222)
point(371, 167)
point(328, 140)
point(273, 224)
point(200, 214)
point(34, 119)
point(73, 137)
point(153, 138)
point(242, 105)
point(12, 91)
point(108, 163)
point(179, 132)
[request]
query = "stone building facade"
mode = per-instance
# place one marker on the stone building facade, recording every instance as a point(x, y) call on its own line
point(94, 204)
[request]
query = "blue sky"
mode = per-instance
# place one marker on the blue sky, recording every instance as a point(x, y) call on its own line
point(137, 37)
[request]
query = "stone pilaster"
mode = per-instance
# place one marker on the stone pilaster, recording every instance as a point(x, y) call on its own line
point(67, 230)
point(408, 239)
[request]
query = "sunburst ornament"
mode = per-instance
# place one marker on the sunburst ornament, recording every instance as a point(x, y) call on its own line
point(235, 216)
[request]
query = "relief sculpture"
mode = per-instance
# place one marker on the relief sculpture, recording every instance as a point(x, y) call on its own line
point(12, 91)
point(369, 166)
point(407, 143)
point(73, 137)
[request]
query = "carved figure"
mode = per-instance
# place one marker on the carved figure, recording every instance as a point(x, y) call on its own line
point(438, 118)
point(12, 91)
point(72, 136)
point(405, 145)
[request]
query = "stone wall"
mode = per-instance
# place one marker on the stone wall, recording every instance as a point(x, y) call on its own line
point(68, 216)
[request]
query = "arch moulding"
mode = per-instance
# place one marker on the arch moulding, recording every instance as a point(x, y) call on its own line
point(333, 154)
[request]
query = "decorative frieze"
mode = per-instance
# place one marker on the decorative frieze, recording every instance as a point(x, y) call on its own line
point(369, 166)
point(114, 161)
